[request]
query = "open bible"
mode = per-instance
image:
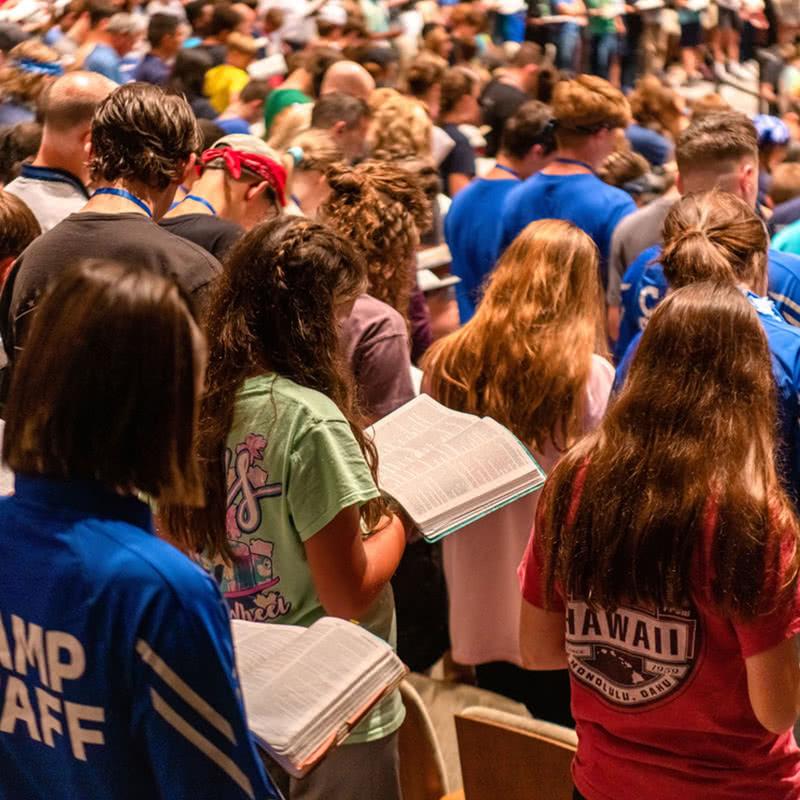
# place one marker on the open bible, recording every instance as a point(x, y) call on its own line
point(447, 469)
point(305, 689)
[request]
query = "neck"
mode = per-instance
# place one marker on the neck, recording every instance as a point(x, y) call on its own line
point(114, 204)
point(61, 156)
point(162, 54)
point(509, 163)
point(582, 154)
point(513, 78)
point(213, 190)
point(234, 111)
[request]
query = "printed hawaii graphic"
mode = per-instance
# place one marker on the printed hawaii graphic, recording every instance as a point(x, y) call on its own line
point(249, 583)
point(631, 656)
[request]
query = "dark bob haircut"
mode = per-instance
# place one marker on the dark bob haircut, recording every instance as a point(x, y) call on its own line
point(106, 388)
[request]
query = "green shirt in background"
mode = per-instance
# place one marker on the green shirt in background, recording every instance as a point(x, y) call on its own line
point(788, 240)
point(292, 465)
point(278, 100)
point(600, 25)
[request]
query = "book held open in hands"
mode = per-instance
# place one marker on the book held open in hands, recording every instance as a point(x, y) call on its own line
point(305, 689)
point(448, 469)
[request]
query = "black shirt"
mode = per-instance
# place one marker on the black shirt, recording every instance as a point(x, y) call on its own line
point(127, 238)
point(498, 102)
point(214, 234)
point(460, 160)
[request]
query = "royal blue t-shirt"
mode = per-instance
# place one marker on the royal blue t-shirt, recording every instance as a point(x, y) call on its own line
point(233, 125)
point(469, 229)
point(106, 61)
point(657, 149)
point(784, 345)
point(117, 674)
point(644, 286)
point(582, 199)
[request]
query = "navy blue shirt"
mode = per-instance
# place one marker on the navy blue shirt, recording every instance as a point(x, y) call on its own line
point(582, 199)
point(469, 230)
point(460, 160)
point(784, 214)
point(784, 346)
point(657, 149)
point(644, 286)
point(152, 69)
point(116, 662)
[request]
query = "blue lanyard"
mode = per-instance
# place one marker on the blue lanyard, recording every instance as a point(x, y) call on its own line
point(293, 198)
point(202, 202)
point(127, 195)
point(509, 171)
point(576, 163)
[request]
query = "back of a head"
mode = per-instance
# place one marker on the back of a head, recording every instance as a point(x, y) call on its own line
point(714, 236)
point(161, 25)
point(347, 77)
point(17, 144)
point(425, 71)
point(715, 143)
point(99, 11)
point(315, 151)
point(70, 101)
point(31, 65)
point(586, 105)
point(255, 90)
point(224, 19)
point(140, 133)
point(532, 124)
point(401, 127)
point(338, 107)
point(189, 72)
point(18, 226)
point(623, 167)
point(652, 101)
point(708, 104)
point(106, 390)
point(528, 54)
point(785, 182)
point(317, 62)
point(456, 83)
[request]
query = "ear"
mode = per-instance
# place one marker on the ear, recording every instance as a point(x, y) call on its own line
point(87, 146)
point(679, 184)
point(338, 128)
point(188, 167)
point(255, 190)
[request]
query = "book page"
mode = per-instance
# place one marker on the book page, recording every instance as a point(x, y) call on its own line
point(261, 647)
point(315, 668)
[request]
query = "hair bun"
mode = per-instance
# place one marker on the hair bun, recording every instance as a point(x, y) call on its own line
point(346, 181)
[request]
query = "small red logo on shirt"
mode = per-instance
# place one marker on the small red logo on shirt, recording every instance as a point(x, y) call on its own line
point(631, 656)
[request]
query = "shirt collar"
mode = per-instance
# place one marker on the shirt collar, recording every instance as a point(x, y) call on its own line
point(54, 175)
point(82, 496)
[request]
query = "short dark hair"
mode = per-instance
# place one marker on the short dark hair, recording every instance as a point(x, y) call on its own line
point(142, 133)
point(527, 54)
point(426, 70)
point(224, 18)
point(106, 389)
point(98, 11)
point(18, 226)
point(255, 90)
point(161, 25)
point(194, 10)
point(456, 83)
point(714, 138)
point(17, 143)
point(532, 124)
point(339, 107)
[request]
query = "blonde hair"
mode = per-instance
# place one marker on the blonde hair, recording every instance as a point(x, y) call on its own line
point(541, 319)
point(21, 85)
point(401, 127)
point(585, 105)
point(319, 151)
point(287, 125)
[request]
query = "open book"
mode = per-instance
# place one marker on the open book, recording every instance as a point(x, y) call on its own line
point(305, 689)
point(447, 469)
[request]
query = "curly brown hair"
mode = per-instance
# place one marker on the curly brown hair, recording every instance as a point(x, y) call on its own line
point(141, 133)
point(381, 208)
point(273, 310)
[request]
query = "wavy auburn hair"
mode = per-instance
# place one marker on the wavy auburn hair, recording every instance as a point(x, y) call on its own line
point(381, 208)
point(273, 310)
point(525, 357)
point(689, 441)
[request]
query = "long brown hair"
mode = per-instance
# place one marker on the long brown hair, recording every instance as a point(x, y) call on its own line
point(714, 236)
point(381, 208)
point(272, 310)
point(692, 432)
point(524, 358)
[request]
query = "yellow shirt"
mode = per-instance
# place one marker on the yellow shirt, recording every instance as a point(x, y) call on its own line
point(222, 83)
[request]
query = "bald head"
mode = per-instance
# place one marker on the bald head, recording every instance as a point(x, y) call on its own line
point(348, 77)
point(70, 101)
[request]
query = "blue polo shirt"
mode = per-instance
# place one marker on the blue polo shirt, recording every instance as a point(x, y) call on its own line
point(784, 345)
point(117, 675)
point(469, 229)
point(583, 199)
point(644, 286)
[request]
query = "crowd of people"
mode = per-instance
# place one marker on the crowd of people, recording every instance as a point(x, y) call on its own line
point(233, 236)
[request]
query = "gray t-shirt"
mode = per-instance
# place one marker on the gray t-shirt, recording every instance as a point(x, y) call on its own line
point(634, 234)
point(51, 194)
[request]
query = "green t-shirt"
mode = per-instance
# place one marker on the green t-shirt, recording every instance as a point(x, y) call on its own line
point(292, 465)
point(600, 25)
point(788, 240)
point(278, 100)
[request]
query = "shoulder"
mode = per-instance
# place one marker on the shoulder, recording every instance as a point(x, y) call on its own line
point(305, 406)
point(598, 389)
point(372, 318)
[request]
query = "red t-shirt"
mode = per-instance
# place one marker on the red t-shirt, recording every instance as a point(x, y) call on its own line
point(660, 697)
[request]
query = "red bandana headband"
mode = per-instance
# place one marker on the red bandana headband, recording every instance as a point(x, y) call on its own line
point(236, 160)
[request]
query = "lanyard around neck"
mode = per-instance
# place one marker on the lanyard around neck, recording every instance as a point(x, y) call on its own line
point(202, 201)
point(576, 163)
point(127, 195)
point(509, 171)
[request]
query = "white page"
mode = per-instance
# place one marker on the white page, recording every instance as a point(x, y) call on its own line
point(261, 647)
